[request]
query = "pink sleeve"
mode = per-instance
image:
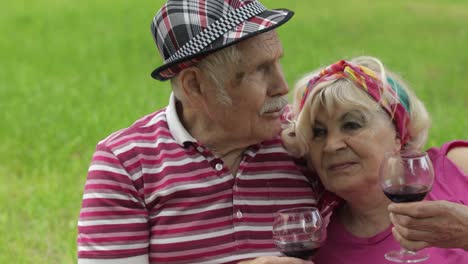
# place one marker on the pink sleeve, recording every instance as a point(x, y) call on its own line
point(450, 182)
point(453, 144)
point(113, 221)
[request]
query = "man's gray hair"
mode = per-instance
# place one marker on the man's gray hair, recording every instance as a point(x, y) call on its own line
point(218, 67)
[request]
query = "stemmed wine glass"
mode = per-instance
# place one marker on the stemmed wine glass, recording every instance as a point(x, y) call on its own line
point(406, 176)
point(298, 232)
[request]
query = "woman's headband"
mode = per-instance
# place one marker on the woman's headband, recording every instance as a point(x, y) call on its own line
point(369, 82)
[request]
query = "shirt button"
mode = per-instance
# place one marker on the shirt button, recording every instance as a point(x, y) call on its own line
point(219, 166)
point(239, 214)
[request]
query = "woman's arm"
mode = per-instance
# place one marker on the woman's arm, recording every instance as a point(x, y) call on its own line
point(459, 156)
point(433, 223)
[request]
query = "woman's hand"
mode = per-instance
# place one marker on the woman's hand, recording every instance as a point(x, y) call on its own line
point(430, 224)
point(275, 260)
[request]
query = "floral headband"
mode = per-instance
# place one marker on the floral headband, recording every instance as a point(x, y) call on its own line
point(368, 81)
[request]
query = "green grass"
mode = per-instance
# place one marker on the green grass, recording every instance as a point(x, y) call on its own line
point(73, 72)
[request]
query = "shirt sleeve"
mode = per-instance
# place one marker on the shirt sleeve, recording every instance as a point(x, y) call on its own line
point(143, 259)
point(113, 221)
point(450, 182)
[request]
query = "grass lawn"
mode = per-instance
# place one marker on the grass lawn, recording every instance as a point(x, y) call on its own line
point(73, 72)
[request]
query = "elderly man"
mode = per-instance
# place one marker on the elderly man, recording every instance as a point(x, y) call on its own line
point(199, 181)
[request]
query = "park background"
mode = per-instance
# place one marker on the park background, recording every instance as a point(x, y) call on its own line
point(73, 72)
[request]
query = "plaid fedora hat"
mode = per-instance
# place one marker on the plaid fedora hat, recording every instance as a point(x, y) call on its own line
point(185, 31)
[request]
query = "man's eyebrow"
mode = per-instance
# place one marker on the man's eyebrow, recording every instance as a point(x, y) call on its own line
point(273, 59)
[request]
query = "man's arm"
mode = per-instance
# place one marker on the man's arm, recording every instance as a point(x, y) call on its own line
point(143, 259)
point(113, 225)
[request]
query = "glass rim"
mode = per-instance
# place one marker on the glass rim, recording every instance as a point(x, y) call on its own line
point(408, 153)
point(300, 208)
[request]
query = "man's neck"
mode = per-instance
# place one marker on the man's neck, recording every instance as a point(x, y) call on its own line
point(222, 143)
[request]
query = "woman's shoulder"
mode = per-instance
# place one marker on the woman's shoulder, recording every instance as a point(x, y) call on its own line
point(451, 180)
point(459, 156)
point(448, 148)
point(456, 151)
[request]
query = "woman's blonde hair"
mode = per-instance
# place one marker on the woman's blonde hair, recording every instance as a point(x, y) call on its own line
point(344, 92)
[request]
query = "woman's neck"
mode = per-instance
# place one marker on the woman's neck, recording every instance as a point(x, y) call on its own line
point(365, 217)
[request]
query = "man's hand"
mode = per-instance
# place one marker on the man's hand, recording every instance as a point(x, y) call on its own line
point(275, 260)
point(430, 224)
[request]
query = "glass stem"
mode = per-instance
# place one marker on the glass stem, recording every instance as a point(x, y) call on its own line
point(405, 251)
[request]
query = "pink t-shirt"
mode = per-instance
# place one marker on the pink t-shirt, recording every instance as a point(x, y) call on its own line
point(450, 184)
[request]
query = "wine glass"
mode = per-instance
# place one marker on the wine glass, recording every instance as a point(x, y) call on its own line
point(298, 232)
point(406, 176)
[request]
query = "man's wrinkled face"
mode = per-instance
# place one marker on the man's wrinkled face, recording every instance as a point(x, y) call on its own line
point(256, 89)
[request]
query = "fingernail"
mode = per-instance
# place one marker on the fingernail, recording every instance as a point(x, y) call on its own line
point(392, 217)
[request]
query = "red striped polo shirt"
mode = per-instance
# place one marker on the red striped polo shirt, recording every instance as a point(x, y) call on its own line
point(155, 195)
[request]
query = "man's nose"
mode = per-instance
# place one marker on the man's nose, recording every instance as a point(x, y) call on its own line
point(278, 84)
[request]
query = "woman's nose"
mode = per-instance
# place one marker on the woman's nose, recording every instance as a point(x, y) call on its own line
point(334, 142)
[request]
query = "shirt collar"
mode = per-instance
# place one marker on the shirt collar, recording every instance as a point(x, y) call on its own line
point(178, 131)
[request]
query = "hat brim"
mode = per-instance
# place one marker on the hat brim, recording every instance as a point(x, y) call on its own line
point(276, 17)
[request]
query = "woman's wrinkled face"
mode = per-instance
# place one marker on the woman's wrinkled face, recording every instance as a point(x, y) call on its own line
point(348, 145)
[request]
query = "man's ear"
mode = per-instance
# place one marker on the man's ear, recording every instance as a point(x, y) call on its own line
point(190, 81)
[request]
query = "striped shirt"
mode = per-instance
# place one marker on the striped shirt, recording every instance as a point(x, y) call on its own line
point(154, 194)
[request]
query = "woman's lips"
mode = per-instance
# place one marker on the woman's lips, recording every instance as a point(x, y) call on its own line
point(341, 166)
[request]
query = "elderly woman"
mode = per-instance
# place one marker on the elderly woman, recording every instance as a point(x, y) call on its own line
point(348, 116)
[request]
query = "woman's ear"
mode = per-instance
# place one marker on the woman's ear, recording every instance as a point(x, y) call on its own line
point(291, 142)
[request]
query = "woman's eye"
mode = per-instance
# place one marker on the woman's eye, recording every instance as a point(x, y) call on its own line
point(352, 126)
point(319, 132)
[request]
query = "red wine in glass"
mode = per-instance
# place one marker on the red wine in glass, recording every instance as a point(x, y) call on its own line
point(406, 193)
point(299, 250)
point(406, 176)
point(298, 232)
